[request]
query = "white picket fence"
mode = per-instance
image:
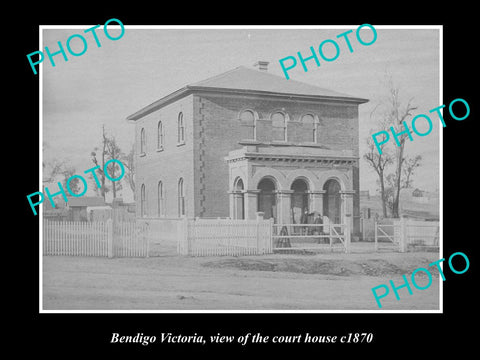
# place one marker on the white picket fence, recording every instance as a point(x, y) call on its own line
point(422, 234)
point(218, 237)
point(102, 238)
point(130, 239)
point(407, 234)
point(312, 237)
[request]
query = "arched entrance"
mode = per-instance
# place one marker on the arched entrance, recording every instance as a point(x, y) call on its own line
point(239, 201)
point(267, 198)
point(332, 201)
point(299, 201)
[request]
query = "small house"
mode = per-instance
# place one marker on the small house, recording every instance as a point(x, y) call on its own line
point(77, 207)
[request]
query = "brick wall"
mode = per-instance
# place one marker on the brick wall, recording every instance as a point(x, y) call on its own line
point(212, 129)
point(167, 165)
point(219, 131)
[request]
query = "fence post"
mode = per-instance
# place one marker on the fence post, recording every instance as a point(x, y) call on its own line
point(362, 224)
point(259, 220)
point(146, 235)
point(376, 235)
point(330, 233)
point(187, 239)
point(110, 238)
point(403, 235)
point(270, 241)
point(347, 238)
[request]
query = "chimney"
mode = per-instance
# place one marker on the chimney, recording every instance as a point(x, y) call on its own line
point(261, 65)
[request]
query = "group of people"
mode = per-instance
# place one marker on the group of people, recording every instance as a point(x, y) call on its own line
point(313, 218)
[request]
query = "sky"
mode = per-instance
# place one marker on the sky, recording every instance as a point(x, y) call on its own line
point(107, 84)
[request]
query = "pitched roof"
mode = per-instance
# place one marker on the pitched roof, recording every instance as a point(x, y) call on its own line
point(86, 201)
point(242, 78)
point(245, 80)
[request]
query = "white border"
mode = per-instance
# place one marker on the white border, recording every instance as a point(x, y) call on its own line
point(274, 27)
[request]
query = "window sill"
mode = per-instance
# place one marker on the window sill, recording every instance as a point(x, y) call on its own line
point(142, 154)
point(160, 149)
point(181, 144)
point(281, 142)
point(249, 142)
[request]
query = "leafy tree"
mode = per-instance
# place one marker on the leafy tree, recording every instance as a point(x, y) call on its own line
point(75, 185)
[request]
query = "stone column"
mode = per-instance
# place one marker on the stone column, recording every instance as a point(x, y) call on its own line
point(231, 199)
point(235, 197)
point(251, 204)
point(316, 201)
point(284, 205)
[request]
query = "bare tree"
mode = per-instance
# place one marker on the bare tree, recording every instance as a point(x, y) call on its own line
point(398, 115)
point(101, 162)
point(108, 150)
point(410, 165)
point(379, 162)
point(391, 114)
point(113, 151)
point(51, 170)
point(129, 163)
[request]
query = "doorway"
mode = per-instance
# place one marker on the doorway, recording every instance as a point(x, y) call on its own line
point(299, 201)
point(267, 198)
point(332, 201)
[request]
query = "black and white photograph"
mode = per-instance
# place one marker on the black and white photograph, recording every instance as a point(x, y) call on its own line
point(233, 179)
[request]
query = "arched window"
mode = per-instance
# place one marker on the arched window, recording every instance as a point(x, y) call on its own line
point(247, 118)
point(161, 201)
point(181, 129)
point(310, 123)
point(143, 204)
point(160, 135)
point(279, 126)
point(238, 198)
point(143, 142)
point(181, 198)
point(316, 126)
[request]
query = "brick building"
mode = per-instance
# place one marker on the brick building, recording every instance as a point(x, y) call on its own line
point(247, 141)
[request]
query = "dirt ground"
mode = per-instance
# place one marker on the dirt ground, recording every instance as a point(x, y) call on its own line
point(329, 281)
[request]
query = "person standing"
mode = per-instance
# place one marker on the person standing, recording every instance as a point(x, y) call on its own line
point(304, 220)
point(318, 230)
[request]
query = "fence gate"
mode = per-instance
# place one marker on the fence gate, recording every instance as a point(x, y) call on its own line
point(387, 236)
point(406, 235)
point(130, 239)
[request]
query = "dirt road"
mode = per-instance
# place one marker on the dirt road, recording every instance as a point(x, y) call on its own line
point(273, 282)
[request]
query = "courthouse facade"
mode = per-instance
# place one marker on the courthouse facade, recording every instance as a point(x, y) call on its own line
point(246, 141)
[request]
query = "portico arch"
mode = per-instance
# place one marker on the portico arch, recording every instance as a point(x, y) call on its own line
point(299, 199)
point(267, 200)
point(277, 176)
point(238, 199)
point(332, 202)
